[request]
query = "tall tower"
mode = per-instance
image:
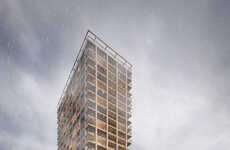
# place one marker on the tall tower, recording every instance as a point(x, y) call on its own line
point(94, 110)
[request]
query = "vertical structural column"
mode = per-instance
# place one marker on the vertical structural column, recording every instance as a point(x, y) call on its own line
point(96, 98)
point(116, 105)
point(107, 109)
point(126, 110)
point(85, 99)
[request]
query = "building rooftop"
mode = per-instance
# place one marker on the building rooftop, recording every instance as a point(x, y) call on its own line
point(100, 43)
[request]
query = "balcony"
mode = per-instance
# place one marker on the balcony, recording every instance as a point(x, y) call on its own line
point(129, 109)
point(129, 115)
point(121, 127)
point(129, 87)
point(91, 146)
point(101, 141)
point(121, 142)
point(91, 130)
point(129, 81)
point(129, 123)
point(121, 147)
point(129, 143)
point(101, 125)
point(91, 138)
point(92, 121)
point(112, 138)
point(112, 145)
point(129, 95)
point(129, 101)
point(129, 137)
point(91, 63)
point(129, 131)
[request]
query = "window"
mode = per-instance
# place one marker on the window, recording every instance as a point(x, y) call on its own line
point(121, 120)
point(112, 145)
point(112, 92)
point(121, 99)
point(129, 109)
point(112, 107)
point(121, 113)
point(91, 53)
point(101, 101)
point(101, 85)
point(91, 129)
point(121, 106)
point(121, 127)
point(112, 85)
point(121, 142)
point(91, 112)
point(112, 138)
point(91, 95)
point(92, 121)
point(121, 68)
point(92, 71)
point(101, 117)
point(91, 87)
point(112, 100)
point(112, 130)
point(129, 94)
point(91, 62)
point(101, 77)
point(101, 109)
point(91, 104)
point(100, 147)
point(121, 84)
point(112, 69)
point(91, 146)
point(91, 79)
point(112, 77)
point(101, 133)
point(121, 91)
point(112, 115)
point(129, 74)
point(91, 138)
point(112, 123)
point(121, 76)
point(101, 61)
point(129, 81)
point(101, 93)
point(101, 69)
point(101, 53)
point(101, 125)
point(90, 45)
point(121, 148)
point(111, 61)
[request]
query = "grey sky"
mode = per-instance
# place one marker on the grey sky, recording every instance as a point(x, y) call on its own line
point(180, 51)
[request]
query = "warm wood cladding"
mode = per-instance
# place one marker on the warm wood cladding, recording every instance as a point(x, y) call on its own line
point(95, 111)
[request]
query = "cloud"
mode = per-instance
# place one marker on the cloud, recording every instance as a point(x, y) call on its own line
point(179, 50)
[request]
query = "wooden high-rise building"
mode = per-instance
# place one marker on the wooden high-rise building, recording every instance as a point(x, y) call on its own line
point(94, 110)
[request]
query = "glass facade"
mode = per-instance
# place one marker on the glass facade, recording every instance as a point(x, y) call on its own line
point(95, 109)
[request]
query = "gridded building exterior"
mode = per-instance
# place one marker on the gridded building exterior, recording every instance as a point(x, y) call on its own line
point(94, 110)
